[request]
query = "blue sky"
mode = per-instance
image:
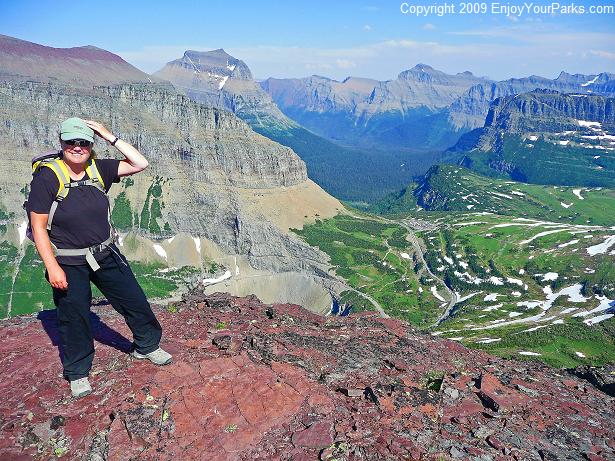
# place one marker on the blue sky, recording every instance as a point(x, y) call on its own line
point(335, 39)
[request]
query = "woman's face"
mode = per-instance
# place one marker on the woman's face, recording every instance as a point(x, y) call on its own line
point(76, 153)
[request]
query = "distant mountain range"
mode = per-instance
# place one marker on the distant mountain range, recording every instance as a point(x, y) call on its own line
point(423, 109)
point(366, 138)
point(405, 113)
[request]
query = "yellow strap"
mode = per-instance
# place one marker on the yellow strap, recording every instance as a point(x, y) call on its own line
point(92, 171)
point(61, 172)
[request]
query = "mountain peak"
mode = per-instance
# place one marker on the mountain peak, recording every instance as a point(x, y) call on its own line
point(90, 65)
point(217, 63)
point(422, 68)
point(218, 53)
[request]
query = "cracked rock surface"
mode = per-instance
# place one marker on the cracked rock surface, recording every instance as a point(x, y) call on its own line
point(275, 382)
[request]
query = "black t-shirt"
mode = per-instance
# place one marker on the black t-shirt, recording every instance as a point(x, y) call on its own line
point(80, 220)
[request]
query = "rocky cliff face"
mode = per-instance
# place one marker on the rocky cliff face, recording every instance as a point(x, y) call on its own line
point(545, 137)
point(544, 111)
point(259, 382)
point(470, 110)
point(210, 177)
point(217, 79)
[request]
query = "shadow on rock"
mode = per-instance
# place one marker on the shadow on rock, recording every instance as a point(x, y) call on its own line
point(101, 331)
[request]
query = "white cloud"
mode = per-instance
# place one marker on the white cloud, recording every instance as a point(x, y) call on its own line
point(367, 27)
point(345, 64)
point(602, 54)
point(429, 26)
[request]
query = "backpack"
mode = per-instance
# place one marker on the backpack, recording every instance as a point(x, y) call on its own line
point(53, 160)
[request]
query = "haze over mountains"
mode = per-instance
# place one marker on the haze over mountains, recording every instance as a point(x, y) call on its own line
point(366, 112)
point(423, 109)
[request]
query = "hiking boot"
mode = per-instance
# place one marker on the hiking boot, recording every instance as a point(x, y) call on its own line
point(80, 387)
point(159, 356)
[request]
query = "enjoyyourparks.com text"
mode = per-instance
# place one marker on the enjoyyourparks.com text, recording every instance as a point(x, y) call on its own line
point(503, 8)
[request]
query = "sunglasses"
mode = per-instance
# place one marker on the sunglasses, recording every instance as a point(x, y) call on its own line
point(79, 142)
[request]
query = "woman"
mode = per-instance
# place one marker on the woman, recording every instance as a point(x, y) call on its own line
point(75, 242)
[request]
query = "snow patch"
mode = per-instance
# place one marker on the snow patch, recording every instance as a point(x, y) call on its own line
point(529, 304)
point(598, 319)
point(588, 124)
point(601, 248)
point(542, 234)
point(593, 80)
point(434, 291)
point(550, 276)
point(161, 252)
point(466, 297)
point(221, 84)
point(572, 242)
point(224, 276)
point(501, 195)
point(21, 230)
point(492, 308)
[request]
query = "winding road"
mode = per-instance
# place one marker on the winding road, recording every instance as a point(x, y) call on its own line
point(412, 238)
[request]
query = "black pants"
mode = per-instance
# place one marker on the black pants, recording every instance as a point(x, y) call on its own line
point(116, 281)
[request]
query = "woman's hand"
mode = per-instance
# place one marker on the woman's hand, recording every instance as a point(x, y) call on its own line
point(100, 130)
point(57, 278)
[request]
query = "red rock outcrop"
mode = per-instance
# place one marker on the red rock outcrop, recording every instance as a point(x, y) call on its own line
point(276, 382)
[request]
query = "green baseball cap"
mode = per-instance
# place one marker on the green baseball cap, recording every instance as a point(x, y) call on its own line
point(75, 128)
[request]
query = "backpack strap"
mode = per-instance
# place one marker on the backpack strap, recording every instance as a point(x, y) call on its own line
point(61, 172)
point(95, 176)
